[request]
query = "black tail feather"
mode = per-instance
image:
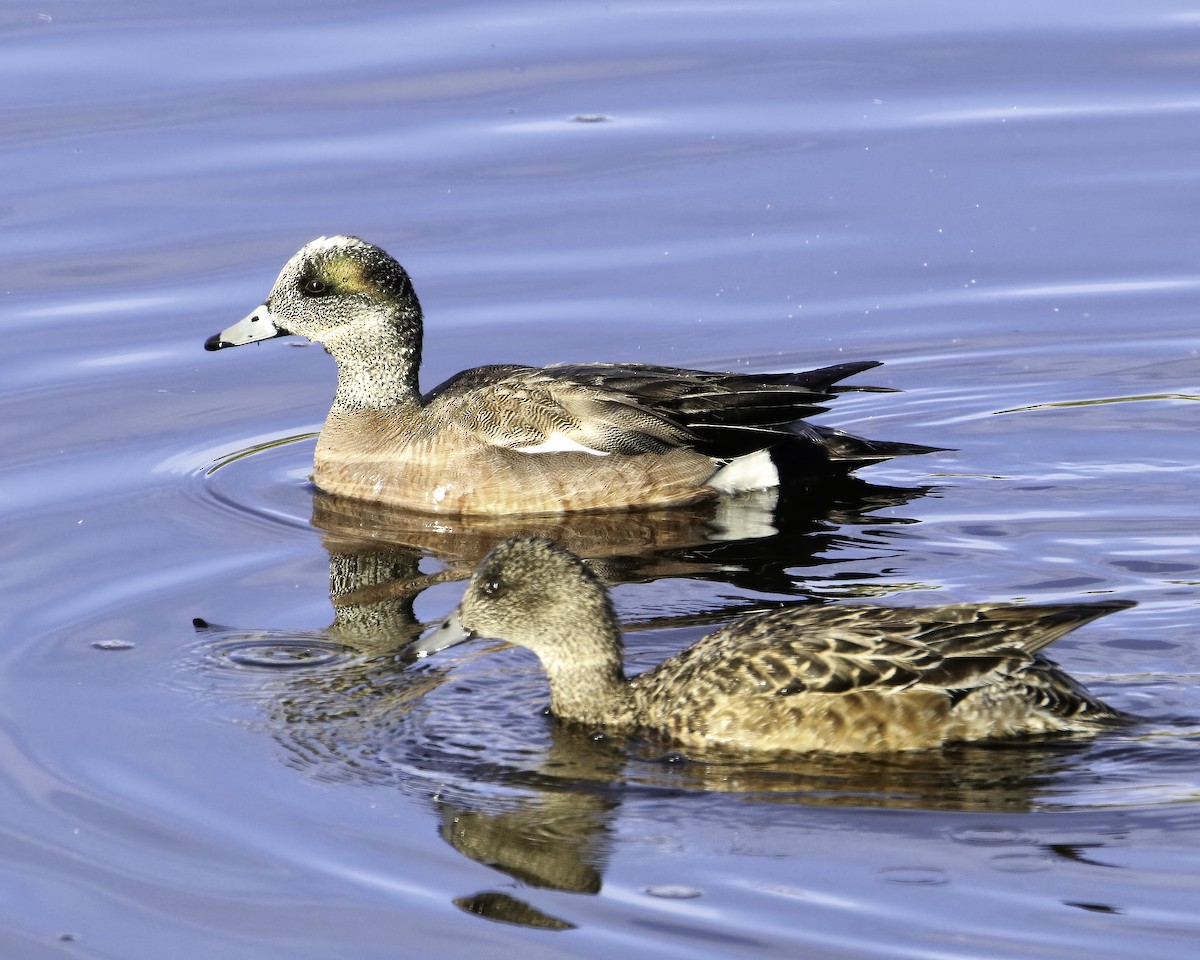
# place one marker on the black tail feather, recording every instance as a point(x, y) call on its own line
point(733, 414)
point(842, 447)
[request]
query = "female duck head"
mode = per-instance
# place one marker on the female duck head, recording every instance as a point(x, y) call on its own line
point(531, 592)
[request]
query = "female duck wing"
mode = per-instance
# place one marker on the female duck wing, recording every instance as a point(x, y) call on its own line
point(846, 648)
point(829, 650)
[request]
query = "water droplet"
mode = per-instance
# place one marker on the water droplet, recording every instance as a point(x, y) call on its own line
point(113, 644)
point(669, 891)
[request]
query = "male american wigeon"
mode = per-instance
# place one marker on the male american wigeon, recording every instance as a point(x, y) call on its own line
point(509, 439)
point(843, 677)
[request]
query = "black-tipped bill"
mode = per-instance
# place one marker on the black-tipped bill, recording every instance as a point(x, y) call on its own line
point(449, 634)
point(259, 325)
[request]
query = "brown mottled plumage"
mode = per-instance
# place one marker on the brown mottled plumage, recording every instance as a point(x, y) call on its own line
point(844, 678)
point(510, 439)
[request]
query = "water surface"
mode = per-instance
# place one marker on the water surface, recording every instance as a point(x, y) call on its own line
point(997, 202)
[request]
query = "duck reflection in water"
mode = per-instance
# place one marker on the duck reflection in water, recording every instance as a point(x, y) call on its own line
point(755, 541)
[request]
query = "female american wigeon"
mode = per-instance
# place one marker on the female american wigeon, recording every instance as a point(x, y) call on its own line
point(511, 439)
point(843, 678)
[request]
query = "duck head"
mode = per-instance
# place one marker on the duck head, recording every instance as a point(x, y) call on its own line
point(536, 594)
point(351, 297)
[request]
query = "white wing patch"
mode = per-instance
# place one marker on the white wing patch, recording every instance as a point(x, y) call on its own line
point(559, 442)
point(754, 471)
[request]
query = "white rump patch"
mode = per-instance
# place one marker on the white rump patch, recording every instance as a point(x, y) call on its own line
point(559, 442)
point(754, 471)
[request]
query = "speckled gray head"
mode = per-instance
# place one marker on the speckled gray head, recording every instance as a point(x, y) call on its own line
point(356, 301)
point(328, 282)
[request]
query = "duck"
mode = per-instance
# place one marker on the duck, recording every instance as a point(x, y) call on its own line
point(510, 439)
point(835, 678)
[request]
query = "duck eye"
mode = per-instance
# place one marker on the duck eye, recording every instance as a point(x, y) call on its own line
point(312, 287)
point(490, 587)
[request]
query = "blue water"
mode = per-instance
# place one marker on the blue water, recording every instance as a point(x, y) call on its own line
point(996, 200)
